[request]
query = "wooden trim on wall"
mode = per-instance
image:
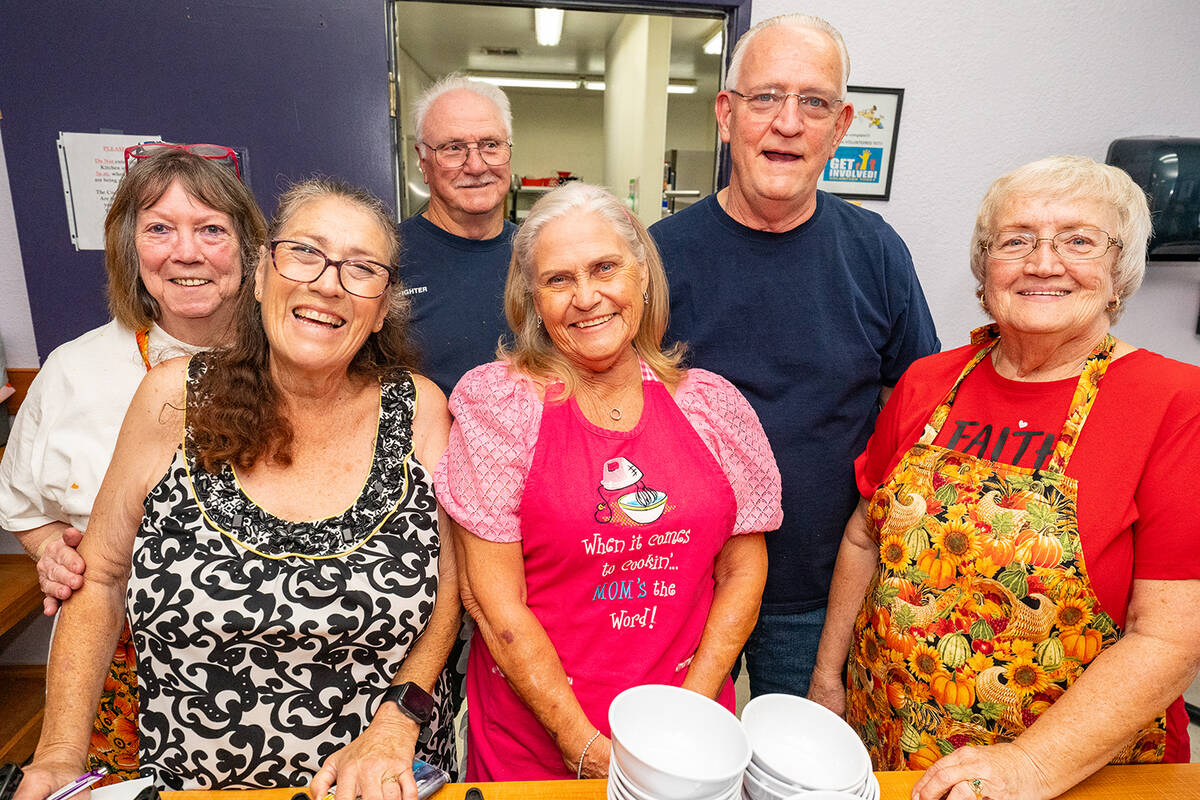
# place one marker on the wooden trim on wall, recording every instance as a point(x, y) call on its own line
point(20, 380)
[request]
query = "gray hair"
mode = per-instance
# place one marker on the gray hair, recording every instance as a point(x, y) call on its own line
point(453, 82)
point(800, 21)
point(533, 351)
point(1074, 178)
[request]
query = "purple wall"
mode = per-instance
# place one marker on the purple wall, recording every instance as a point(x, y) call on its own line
point(301, 85)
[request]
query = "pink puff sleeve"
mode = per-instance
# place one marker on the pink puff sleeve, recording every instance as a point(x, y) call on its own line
point(481, 476)
point(731, 431)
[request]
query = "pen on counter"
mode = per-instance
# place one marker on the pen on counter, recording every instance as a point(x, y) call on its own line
point(79, 784)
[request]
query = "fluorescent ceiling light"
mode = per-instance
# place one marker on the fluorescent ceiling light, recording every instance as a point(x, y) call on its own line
point(528, 83)
point(548, 25)
point(672, 88)
point(713, 45)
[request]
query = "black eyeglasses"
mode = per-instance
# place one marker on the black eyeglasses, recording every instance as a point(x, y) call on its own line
point(303, 263)
point(452, 155)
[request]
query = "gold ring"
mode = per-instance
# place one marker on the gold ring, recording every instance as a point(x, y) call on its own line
point(390, 779)
point(976, 785)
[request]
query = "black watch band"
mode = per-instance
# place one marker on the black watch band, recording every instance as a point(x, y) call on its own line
point(414, 703)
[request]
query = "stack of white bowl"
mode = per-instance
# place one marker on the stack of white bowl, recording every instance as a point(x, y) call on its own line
point(803, 750)
point(673, 744)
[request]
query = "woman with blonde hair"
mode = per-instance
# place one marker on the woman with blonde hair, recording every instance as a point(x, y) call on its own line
point(613, 502)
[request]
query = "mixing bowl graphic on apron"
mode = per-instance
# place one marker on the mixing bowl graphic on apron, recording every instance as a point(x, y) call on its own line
point(621, 485)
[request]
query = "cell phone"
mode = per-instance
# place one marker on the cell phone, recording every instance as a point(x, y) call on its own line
point(429, 779)
point(10, 779)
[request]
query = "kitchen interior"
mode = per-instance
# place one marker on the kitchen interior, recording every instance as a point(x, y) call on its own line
point(622, 100)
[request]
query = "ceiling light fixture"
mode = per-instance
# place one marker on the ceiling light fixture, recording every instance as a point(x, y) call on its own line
point(528, 83)
point(713, 46)
point(548, 25)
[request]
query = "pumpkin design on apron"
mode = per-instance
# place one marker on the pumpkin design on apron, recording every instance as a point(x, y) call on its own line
point(981, 613)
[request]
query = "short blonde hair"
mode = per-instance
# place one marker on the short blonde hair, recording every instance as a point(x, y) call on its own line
point(204, 179)
point(533, 352)
point(800, 21)
point(1074, 178)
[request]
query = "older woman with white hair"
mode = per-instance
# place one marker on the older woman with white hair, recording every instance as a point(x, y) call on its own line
point(1023, 542)
point(613, 502)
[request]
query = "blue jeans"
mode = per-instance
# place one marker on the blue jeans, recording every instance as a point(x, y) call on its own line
point(782, 651)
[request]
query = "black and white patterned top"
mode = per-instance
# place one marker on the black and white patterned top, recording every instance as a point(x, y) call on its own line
point(263, 645)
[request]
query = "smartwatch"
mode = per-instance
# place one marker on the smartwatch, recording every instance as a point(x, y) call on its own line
point(415, 703)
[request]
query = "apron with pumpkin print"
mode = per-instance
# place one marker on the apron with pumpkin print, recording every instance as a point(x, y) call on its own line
point(981, 613)
point(114, 742)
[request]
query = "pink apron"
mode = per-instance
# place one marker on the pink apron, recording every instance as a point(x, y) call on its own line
point(620, 531)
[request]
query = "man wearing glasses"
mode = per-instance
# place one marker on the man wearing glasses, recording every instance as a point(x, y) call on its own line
point(809, 305)
point(455, 255)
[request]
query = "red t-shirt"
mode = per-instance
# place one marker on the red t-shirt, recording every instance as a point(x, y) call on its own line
point(1137, 461)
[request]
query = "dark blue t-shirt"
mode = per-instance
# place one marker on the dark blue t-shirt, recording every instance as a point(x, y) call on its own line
point(456, 287)
point(808, 324)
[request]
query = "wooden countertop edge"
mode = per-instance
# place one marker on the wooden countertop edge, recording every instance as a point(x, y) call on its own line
point(1110, 783)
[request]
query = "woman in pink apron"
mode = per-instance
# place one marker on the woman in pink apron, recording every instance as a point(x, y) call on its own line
point(613, 503)
point(1024, 547)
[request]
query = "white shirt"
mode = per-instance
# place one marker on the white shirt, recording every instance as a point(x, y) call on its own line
point(66, 429)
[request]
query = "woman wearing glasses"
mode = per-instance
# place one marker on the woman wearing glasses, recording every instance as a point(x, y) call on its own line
point(180, 235)
point(279, 555)
point(1025, 542)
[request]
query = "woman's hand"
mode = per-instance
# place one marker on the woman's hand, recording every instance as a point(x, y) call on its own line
point(60, 569)
point(47, 775)
point(595, 759)
point(375, 766)
point(828, 689)
point(1004, 772)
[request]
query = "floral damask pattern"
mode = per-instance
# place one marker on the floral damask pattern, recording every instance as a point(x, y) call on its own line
point(262, 645)
point(980, 614)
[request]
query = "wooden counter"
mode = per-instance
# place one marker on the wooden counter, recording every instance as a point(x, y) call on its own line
point(1142, 782)
point(24, 685)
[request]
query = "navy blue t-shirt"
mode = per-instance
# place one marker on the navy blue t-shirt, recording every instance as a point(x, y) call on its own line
point(808, 324)
point(456, 287)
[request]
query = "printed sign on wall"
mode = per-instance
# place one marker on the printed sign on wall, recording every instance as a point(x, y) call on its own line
point(861, 168)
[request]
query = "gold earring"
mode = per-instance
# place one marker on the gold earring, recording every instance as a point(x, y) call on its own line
point(1113, 304)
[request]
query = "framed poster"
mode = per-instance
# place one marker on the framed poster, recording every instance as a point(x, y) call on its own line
point(861, 168)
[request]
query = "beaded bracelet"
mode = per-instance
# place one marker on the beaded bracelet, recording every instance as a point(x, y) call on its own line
point(579, 769)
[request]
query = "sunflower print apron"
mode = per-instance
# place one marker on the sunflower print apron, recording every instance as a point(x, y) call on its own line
point(980, 614)
point(114, 742)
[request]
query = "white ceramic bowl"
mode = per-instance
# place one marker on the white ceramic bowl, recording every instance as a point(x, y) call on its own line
point(802, 743)
point(756, 790)
point(770, 782)
point(674, 744)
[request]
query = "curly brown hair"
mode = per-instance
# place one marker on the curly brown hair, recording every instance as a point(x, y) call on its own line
point(236, 415)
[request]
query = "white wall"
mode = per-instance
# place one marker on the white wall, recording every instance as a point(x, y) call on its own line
point(16, 324)
point(635, 109)
point(991, 86)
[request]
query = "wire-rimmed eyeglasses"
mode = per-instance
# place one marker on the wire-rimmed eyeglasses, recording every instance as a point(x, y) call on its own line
point(1077, 244)
point(771, 102)
point(303, 263)
point(451, 155)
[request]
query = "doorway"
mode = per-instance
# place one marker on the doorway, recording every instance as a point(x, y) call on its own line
point(575, 114)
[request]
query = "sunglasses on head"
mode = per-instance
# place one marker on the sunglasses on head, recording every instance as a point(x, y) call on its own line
point(213, 151)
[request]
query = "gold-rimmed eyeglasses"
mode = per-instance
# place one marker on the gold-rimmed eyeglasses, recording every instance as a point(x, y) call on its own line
point(303, 263)
point(1077, 244)
point(771, 102)
point(451, 155)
